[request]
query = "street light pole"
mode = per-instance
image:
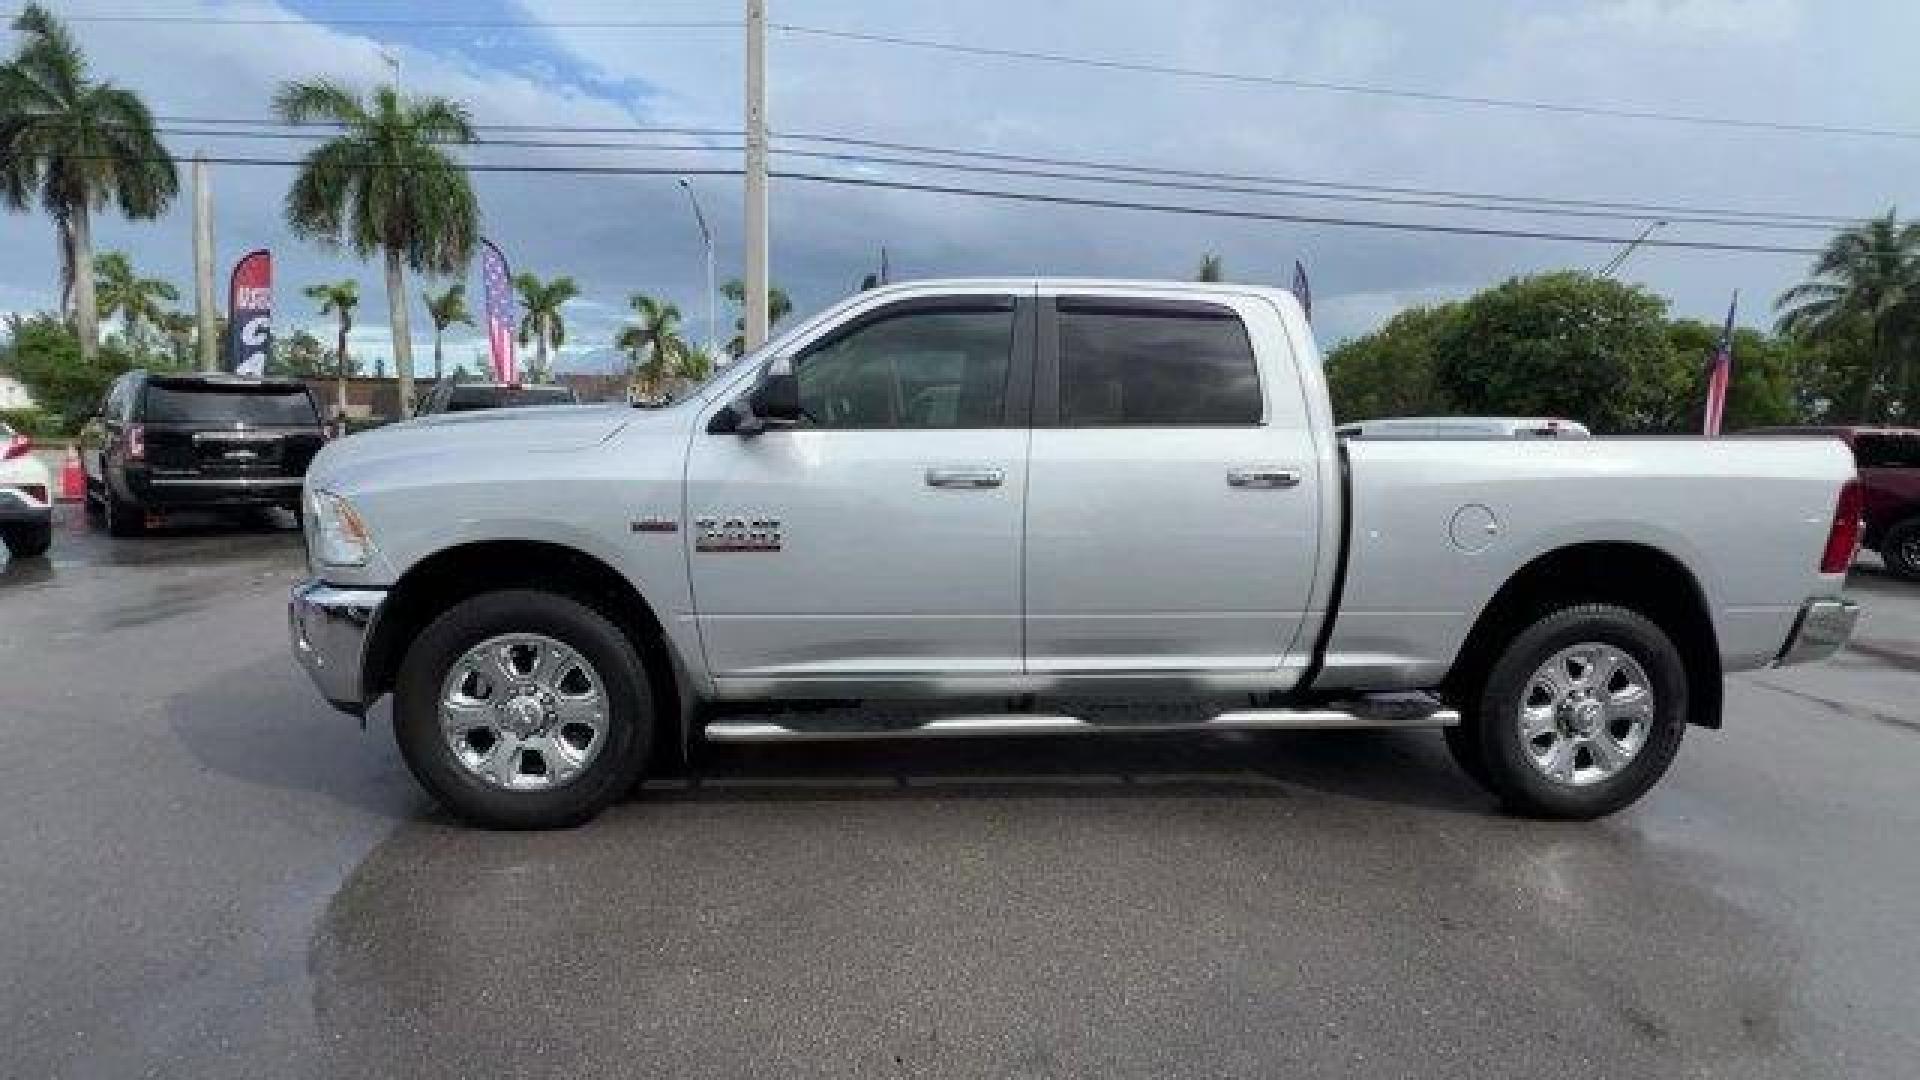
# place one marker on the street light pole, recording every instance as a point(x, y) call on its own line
point(1618, 260)
point(756, 178)
point(706, 237)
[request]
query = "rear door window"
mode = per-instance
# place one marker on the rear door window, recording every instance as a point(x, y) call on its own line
point(1171, 365)
point(224, 406)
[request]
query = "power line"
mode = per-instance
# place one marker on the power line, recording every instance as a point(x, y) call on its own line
point(1037, 56)
point(1656, 208)
point(1259, 215)
point(1210, 181)
point(477, 24)
point(1106, 64)
point(1087, 201)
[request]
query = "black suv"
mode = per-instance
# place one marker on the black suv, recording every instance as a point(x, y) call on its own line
point(162, 441)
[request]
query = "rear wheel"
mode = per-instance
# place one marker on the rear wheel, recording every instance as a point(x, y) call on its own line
point(1581, 714)
point(28, 541)
point(124, 517)
point(1900, 549)
point(523, 710)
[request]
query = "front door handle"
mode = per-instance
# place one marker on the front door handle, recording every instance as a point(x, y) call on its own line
point(966, 478)
point(1263, 478)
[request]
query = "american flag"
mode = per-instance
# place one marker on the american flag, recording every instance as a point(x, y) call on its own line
point(499, 283)
point(1720, 372)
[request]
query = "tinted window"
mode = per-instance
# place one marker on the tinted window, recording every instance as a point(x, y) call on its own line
point(925, 369)
point(469, 398)
point(1873, 450)
point(1154, 367)
point(220, 406)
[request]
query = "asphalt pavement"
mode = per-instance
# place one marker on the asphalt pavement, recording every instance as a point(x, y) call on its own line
point(206, 872)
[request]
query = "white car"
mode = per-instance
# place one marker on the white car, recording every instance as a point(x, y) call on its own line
point(26, 497)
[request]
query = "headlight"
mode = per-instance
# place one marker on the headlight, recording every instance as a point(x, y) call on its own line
point(335, 534)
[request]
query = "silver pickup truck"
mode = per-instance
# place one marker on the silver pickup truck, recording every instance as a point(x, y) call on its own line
point(998, 508)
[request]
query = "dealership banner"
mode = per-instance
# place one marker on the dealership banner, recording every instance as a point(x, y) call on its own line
point(250, 314)
point(499, 283)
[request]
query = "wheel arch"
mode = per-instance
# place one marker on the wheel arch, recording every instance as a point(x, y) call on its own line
point(447, 577)
point(1636, 576)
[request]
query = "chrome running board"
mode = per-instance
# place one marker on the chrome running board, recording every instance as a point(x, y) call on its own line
point(803, 727)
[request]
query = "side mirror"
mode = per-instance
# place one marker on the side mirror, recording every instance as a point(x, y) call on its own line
point(774, 402)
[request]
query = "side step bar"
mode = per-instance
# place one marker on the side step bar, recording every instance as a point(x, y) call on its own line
point(1003, 724)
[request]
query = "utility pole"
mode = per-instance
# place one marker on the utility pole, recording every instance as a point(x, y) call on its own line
point(706, 237)
point(203, 266)
point(756, 183)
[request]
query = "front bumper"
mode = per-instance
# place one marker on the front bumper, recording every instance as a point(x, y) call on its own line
point(329, 626)
point(1822, 627)
point(19, 505)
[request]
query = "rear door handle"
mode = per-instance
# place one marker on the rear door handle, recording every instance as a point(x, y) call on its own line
point(965, 478)
point(1263, 478)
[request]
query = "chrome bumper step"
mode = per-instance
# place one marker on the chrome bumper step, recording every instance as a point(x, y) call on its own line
point(867, 724)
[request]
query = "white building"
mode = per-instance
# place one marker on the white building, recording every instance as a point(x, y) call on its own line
point(13, 395)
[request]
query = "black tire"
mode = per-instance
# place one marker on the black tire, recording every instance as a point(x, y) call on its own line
point(608, 777)
point(124, 516)
point(1900, 549)
point(29, 541)
point(1489, 743)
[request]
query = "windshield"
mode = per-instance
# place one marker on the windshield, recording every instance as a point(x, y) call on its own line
point(215, 405)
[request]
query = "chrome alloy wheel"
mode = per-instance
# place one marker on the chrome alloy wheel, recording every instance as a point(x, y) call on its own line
point(1586, 713)
point(523, 712)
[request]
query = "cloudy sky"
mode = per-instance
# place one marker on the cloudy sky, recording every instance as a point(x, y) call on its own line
point(556, 62)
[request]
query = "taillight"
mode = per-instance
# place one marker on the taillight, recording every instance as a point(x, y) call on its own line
point(1843, 539)
point(16, 447)
point(136, 442)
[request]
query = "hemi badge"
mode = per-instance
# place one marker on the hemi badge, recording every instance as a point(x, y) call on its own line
point(656, 525)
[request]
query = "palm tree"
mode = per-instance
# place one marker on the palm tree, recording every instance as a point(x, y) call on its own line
point(1869, 274)
point(77, 144)
point(695, 365)
point(1211, 268)
point(137, 300)
point(446, 309)
point(386, 183)
point(541, 321)
point(779, 306)
point(339, 299)
point(655, 336)
point(181, 330)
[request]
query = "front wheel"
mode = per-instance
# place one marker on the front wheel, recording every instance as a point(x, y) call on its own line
point(523, 710)
point(1580, 716)
point(28, 541)
point(1900, 549)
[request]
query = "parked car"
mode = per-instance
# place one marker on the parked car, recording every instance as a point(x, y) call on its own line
point(170, 441)
point(450, 396)
point(995, 508)
point(26, 497)
point(1465, 427)
point(1889, 462)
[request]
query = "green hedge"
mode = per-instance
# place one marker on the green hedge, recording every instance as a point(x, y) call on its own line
point(34, 423)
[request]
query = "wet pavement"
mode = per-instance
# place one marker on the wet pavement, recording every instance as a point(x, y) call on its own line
point(208, 873)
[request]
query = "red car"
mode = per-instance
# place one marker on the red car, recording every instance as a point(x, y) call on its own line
point(1889, 463)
